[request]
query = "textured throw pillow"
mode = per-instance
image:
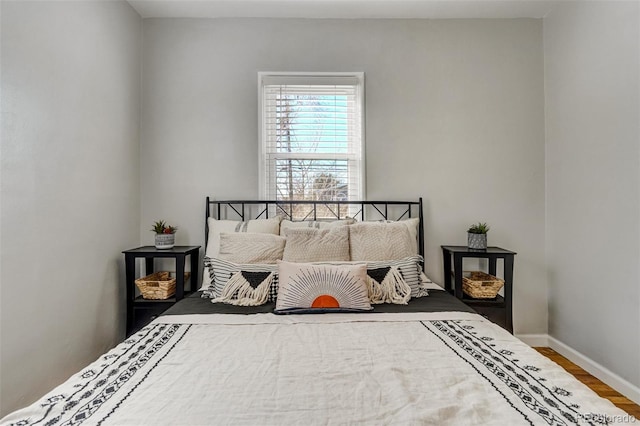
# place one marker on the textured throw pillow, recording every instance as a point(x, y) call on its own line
point(216, 227)
point(249, 247)
point(246, 288)
point(312, 245)
point(380, 241)
point(222, 271)
point(387, 285)
point(410, 268)
point(412, 225)
point(332, 288)
point(313, 224)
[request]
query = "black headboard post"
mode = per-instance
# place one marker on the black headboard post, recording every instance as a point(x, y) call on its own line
point(421, 231)
point(421, 228)
point(206, 221)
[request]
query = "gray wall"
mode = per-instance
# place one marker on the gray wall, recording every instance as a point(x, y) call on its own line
point(454, 113)
point(592, 56)
point(70, 186)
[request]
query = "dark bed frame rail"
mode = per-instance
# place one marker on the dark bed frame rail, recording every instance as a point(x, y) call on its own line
point(338, 209)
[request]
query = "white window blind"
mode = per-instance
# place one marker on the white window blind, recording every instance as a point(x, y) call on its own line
point(312, 136)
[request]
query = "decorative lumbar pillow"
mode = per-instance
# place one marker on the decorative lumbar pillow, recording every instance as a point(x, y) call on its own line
point(216, 227)
point(249, 247)
point(313, 224)
point(222, 271)
point(380, 241)
point(326, 287)
point(386, 285)
point(313, 245)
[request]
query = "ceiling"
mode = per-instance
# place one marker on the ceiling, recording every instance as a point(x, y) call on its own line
point(342, 9)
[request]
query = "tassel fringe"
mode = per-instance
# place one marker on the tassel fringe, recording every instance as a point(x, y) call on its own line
point(376, 295)
point(238, 291)
point(392, 289)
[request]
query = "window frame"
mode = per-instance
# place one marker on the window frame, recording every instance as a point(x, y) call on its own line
point(264, 158)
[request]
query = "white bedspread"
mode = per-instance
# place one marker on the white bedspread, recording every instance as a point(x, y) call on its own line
point(431, 368)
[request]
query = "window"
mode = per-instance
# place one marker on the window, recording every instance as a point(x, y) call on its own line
point(312, 140)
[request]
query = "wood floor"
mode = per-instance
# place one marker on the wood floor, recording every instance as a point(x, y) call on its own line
point(594, 384)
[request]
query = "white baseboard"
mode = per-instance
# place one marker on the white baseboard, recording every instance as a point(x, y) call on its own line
point(629, 390)
point(534, 340)
point(607, 376)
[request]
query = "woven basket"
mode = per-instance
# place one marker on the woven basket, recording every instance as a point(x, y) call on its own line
point(159, 285)
point(481, 285)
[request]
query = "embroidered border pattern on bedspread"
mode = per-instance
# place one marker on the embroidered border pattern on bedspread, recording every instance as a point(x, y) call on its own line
point(500, 381)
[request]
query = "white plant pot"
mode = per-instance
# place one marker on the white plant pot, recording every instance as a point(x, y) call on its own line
point(165, 241)
point(477, 241)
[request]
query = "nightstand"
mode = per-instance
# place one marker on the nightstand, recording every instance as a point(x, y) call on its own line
point(498, 310)
point(140, 311)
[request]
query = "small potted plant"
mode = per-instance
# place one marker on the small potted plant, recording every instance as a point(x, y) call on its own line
point(165, 235)
point(477, 236)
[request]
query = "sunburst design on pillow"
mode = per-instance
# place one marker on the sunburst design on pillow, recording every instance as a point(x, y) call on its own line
point(318, 287)
point(325, 301)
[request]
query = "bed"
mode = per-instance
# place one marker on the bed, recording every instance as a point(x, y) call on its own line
point(429, 361)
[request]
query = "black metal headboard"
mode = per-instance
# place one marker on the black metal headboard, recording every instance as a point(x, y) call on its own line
point(330, 210)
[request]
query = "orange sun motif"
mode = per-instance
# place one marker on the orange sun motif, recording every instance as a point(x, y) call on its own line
point(325, 301)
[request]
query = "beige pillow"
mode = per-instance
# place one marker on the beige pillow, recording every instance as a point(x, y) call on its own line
point(380, 241)
point(313, 224)
point(316, 245)
point(305, 286)
point(412, 225)
point(216, 227)
point(250, 247)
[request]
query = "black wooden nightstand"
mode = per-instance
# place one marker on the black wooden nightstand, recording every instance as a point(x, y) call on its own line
point(497, 310)
point(139, 310)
